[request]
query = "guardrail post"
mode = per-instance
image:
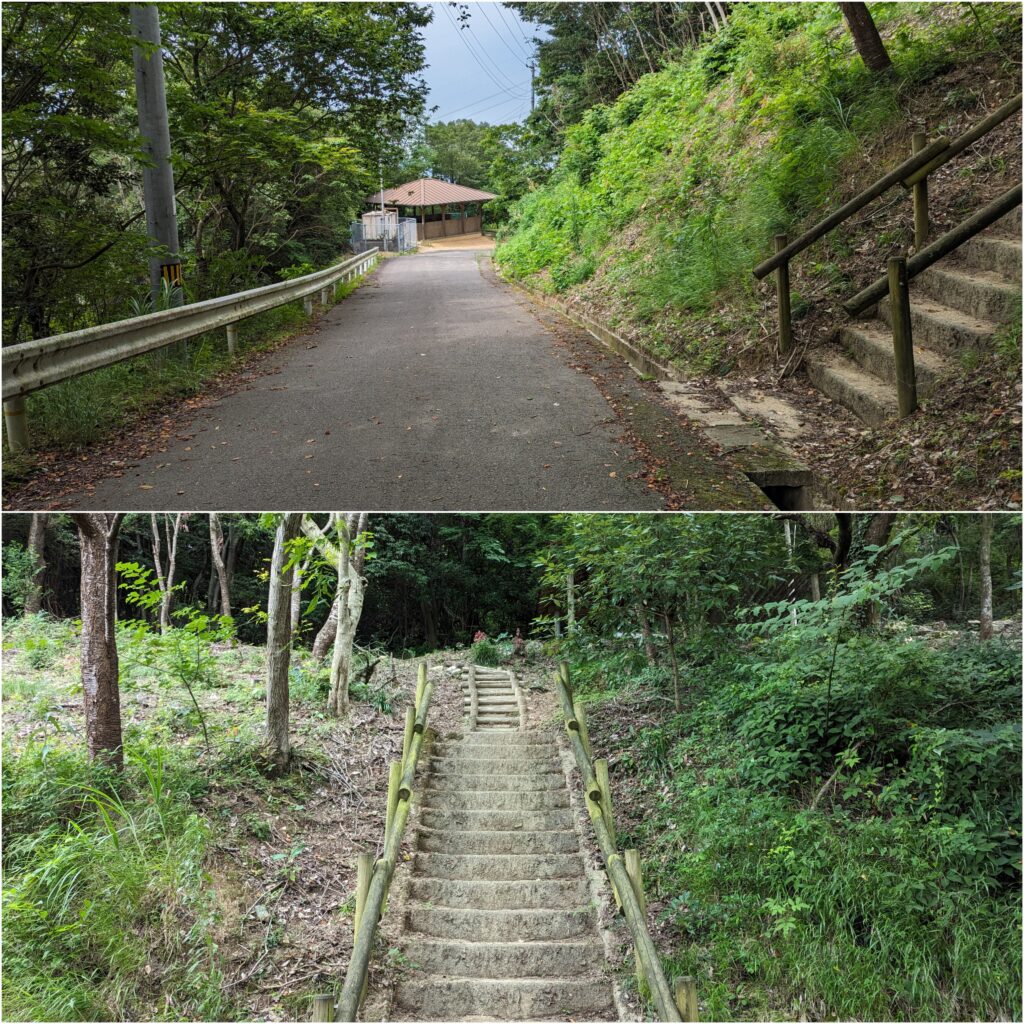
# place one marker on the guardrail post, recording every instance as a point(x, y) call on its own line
point(307, 305)
point(686, 998)
point(921, 226)
point(232, 339)
point(16, 421)
point(902, 336)
point(323, 1007)
point(325, 294)
point(782, 294)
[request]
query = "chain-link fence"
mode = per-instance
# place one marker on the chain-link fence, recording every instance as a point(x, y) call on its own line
point(390, 234)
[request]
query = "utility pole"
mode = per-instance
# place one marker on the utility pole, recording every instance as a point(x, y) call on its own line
point(158, 178)
point(533, 68)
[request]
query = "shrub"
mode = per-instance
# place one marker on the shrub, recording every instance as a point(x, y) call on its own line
point(485, 652)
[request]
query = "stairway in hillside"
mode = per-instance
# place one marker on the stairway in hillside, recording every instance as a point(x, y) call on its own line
point(499, 921)
point(955, 306)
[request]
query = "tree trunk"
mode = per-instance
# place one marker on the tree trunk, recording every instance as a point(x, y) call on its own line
point(217, 553)
point(570, 602)
point(325, 638)
point(670, 636)
point(877, 536)
point(97, 532)
point(349, 603)
point(645, 632)
point(166, 582)
point(37, 548)
point(300, 572)
point(279, 641)
point(865, 37)
point(985, 566)
point(429, 622)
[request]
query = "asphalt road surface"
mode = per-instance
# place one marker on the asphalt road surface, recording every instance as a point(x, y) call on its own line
point(429, 388)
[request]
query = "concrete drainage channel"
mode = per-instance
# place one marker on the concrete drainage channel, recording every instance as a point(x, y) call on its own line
point(758, 454)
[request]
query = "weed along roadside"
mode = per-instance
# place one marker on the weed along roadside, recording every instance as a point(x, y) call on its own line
point(628, 767)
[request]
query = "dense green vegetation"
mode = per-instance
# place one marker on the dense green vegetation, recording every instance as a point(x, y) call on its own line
point(810, 744)
point(831, 818)
point(673, 187)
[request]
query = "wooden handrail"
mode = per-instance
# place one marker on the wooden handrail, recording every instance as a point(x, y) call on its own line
point(968, 138)
point(858, 202)
point(380, 881)
point(942, 246)
point(598, 806)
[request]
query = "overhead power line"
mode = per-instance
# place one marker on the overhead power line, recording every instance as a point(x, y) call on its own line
point(518, 57)
point(508, 84)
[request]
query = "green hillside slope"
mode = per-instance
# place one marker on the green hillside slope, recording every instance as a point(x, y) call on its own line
point(662, 202)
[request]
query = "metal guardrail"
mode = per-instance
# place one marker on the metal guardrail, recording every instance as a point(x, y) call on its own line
point(373, 880)
point(623, 868)
point(33, 365)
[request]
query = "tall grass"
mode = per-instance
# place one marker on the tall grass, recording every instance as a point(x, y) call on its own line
point(106, 915)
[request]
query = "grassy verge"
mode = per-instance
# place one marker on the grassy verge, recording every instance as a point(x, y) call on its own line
point(182, 889)
point(828, 849)
point(88, 409)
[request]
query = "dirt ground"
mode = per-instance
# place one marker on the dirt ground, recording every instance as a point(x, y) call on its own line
point(458, 242)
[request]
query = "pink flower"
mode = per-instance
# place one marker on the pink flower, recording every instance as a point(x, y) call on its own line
point(478, 636)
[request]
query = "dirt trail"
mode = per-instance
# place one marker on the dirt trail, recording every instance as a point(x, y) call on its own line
point(499, 923)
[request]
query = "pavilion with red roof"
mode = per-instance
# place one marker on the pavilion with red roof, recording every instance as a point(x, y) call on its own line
point(441, 208)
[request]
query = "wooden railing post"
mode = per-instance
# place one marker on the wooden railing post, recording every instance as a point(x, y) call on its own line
point(474, 701)
point(635, 872)
point(601, 773)
point(16, 420)
point(582, 723)
point(410, 722)
point(686, 998)
point(902, 336)
point(323, 1007)
point(782, 294)
point(394, 781)
point(921, 226)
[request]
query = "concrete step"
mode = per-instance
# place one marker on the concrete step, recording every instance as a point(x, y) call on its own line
point(837, 376)
point(462, 842)
point(870, 346)
point(941, 328)
point(489, 894)
point(437, 997)
point(997, 254)
point(497, 866)
point(469, 740)
point(982, 294)
point(511, 751)
point(504, 959)
point(497, 821)
point(495, 800)
point(499, 925)
point(519, 782)
point(443, 766)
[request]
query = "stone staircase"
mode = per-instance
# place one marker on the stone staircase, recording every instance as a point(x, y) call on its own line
point(499, 922)
point(956, 305)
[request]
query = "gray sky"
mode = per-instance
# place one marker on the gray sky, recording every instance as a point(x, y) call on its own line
point(479, 72)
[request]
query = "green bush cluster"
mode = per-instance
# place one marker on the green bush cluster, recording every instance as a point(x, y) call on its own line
point(485, 652)
point(853, 855)
point(678, 187)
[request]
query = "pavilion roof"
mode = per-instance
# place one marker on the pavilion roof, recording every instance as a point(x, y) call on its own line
point(430, 192)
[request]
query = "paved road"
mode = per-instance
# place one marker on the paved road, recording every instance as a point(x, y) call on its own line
point(429, 388)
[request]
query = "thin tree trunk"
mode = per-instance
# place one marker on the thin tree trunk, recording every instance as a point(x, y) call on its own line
point(985, 567)
point(279, 642)
point(570, 602)
point(645, 632)
point(37, 548)
point(865, 37)
point(217, 552)
point(325, 638)
point(670, 636)
point(349, 603)
point(300, 572)
point(790, 531)
point(429, 622)
point(166, 582)
point(97, 532)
